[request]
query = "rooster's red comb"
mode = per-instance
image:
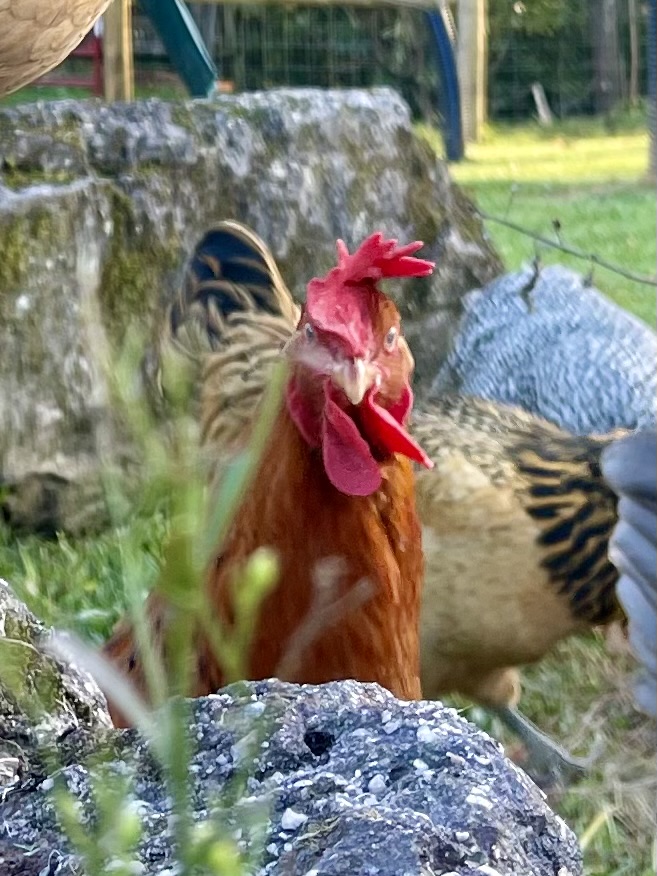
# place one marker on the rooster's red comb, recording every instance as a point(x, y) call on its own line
point(377, 258)
point(339, 303)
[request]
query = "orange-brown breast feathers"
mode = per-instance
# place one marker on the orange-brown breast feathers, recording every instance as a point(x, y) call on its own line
point(305, 633)
point(293, 507)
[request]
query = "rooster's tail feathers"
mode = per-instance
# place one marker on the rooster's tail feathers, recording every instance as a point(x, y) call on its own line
point(231, 273)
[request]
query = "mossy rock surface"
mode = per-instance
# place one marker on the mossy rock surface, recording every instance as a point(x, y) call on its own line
point(99, 206)
point(41, 699)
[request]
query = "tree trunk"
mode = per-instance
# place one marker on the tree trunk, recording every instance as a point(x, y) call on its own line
point(118, 71)
point(607, 83)
point(633, 26)
point(471, 61)
point(651, 37)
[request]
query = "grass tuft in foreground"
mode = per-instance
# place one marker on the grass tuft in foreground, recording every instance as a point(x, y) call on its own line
point(87, 585)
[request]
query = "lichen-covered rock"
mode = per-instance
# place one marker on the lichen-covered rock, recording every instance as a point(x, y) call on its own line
point(340, 778)
point(52, 244)
point(41, 699)
point(557, 347)
point(99, 206)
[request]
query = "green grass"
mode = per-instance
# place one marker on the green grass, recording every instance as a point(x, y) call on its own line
point(591, 176)
point(581, 695)
point(592, 180)
point(80, 584)
point(32, 93)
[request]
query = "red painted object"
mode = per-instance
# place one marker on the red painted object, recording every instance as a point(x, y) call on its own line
point(91, 48)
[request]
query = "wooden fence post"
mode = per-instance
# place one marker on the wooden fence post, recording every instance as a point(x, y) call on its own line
point(118, 70)
point(471, 56)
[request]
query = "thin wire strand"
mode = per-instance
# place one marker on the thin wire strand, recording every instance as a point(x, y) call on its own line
point(570, 250)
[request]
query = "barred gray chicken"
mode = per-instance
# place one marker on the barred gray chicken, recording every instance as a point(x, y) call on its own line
point(557, 348)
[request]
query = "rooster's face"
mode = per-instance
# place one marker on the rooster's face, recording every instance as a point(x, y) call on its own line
point(349, 392)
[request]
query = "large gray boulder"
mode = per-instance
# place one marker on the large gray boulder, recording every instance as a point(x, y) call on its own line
point(99, 206)
point(336, 779)
point(557, 347)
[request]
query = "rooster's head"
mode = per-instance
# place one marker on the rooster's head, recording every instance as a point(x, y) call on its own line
point(349, 392)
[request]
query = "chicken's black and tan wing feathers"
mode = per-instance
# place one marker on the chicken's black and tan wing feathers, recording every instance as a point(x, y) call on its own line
point(576, 511)
point(554, 476)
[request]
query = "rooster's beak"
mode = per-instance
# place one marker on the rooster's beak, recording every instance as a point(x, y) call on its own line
point(354, 377)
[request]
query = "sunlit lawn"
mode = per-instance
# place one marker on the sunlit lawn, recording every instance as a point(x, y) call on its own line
point(589, 176)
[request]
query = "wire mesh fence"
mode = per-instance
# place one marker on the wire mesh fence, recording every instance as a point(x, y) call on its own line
point(273, 45)
point(588, 57)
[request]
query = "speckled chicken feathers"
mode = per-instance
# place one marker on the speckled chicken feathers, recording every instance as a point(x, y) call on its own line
point(557, 348)
point(630, 466)
point(36, 35)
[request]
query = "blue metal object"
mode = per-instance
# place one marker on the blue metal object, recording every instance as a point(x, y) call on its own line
point(446, 62)
point(184, 44)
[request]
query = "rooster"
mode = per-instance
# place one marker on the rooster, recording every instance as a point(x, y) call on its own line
point(335, 480)
point(516, 516)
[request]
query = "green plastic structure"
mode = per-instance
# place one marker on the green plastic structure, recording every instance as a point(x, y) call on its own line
point(184, 45)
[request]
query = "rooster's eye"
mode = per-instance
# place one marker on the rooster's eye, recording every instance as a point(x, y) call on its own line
point(309, 331)
point(390, 341)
